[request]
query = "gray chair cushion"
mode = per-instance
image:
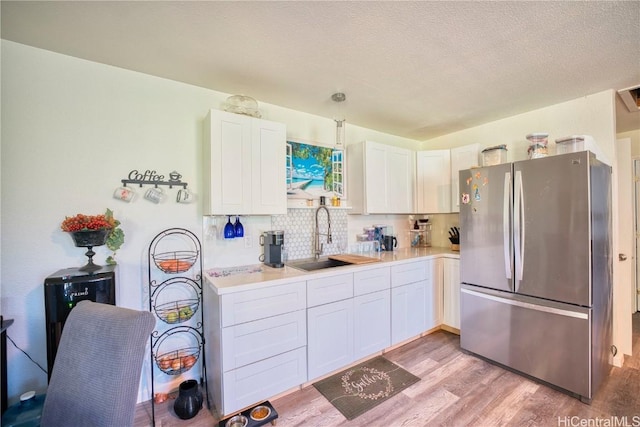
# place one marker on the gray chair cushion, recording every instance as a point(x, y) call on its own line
point(97, 369)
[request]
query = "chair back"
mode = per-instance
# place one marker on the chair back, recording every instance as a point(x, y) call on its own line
point(96, 372)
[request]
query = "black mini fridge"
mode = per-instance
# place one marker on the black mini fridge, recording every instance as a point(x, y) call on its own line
point(64, 289)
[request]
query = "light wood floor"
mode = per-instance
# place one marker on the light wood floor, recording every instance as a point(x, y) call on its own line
point(456, 389)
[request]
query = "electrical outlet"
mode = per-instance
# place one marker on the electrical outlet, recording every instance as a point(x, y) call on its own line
point(247, 241)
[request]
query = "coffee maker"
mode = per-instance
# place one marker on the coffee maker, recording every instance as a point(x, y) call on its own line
point(273, 242)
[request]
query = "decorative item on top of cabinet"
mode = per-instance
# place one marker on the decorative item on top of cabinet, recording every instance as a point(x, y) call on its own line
point(175, 297)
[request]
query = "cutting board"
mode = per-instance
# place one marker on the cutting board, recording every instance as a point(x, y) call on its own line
point(354, 259)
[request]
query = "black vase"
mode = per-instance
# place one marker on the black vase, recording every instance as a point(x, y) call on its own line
point(189, 400)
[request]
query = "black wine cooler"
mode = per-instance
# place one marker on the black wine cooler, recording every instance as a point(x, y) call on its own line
point(63, 290)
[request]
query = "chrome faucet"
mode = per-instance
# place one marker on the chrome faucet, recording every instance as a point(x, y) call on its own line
point(319, 246)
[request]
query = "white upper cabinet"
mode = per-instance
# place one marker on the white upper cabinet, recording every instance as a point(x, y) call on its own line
point(381, 178)
point(433, 181)
point(461, 158)
point(244, 165)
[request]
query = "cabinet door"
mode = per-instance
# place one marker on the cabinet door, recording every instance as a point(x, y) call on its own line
point(408, 311)
point(227, 163)
point(329, 337)
point(433, 181)
point(268, 168)
point(375, 178)
point(451, 291)
point(372, 323)
point(400, 177)
point(461, 158)
point(433, 294)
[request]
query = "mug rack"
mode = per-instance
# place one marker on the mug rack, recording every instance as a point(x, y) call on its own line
point(152, 178)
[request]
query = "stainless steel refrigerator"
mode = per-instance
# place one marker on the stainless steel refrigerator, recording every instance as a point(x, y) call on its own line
point(536, 268)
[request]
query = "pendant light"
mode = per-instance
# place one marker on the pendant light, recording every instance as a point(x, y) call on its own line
point(338, 98)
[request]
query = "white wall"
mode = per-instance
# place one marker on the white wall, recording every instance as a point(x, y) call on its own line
point(590, 115)
point(72, 129)
point(634, 136)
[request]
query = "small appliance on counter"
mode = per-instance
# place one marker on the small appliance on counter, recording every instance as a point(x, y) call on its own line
point(273, 242)
point(421, 233)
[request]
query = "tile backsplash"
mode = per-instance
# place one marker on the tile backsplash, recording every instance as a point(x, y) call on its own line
point(299, 227)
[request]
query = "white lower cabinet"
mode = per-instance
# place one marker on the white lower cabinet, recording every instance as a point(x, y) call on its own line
point(408, 299)
point(451, 291)
point(270, 339)
point(256, 344)
point(329, 337)
point(353, 322)
point(261, 380)
point(372, 311)
point(408, 311)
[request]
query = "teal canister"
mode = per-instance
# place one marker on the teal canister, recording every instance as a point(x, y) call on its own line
point(26, 413)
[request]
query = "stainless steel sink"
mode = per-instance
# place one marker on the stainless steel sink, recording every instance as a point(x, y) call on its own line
point(312, 264)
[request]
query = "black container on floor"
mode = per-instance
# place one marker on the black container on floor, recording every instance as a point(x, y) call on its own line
point(189, 400)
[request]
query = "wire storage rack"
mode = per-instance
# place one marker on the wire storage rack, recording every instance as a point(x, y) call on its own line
point(175, 298)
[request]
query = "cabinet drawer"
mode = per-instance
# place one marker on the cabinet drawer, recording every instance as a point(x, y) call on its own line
point(249, 342)
point(329, 289)
point(409, 273)
point(368, 281)
point(261, 380)
point(262, 302)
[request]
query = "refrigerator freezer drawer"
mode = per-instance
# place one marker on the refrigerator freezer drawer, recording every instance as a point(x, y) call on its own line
point(548, 341)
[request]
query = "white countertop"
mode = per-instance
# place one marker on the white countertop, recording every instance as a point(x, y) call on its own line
point(260, 274)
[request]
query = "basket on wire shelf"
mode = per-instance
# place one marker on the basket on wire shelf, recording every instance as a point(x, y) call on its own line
point(177, 311)
point(178, 361)
point(176, 261)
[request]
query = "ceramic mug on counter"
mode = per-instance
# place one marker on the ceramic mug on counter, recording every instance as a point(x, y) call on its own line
point(389, 242)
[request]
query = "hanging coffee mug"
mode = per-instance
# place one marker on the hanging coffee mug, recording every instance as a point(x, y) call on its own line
point(184, 196)
point(154, 194)
point(125, 194)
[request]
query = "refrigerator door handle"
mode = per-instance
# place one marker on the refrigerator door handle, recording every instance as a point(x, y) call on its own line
point(527, 305)
point(505, 224)
point(518, 228)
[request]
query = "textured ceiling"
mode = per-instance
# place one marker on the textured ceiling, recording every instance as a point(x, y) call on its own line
point(413, 69)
